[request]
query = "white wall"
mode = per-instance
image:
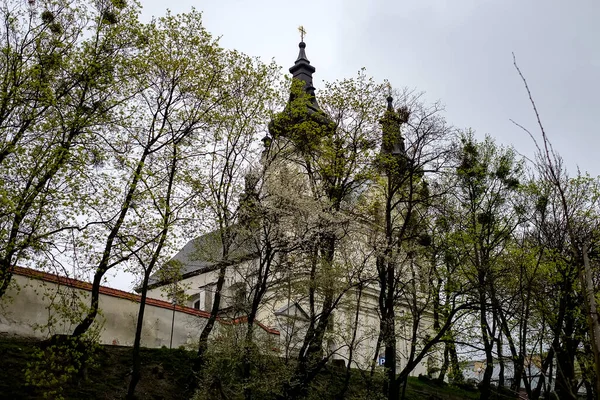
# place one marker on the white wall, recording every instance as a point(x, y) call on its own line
point(292, 334)
point(293, 329)
point(39, 308)
point(197, 284)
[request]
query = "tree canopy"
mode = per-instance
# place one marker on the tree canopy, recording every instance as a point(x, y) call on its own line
point(121, 139)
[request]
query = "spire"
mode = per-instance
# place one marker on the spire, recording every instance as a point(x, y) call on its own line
point(392, 140)
point(303, 70)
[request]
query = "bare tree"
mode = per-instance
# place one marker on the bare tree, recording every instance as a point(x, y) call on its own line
point(580, 223)
point(414, 150)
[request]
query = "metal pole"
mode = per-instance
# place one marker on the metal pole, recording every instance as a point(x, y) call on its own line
point(172, 324)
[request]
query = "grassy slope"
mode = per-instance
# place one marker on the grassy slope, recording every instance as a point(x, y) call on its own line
point(418, 389)
point(164, 376)
point(164, 373)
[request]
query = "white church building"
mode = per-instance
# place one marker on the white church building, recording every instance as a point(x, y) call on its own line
point(281, 317)
point(285, 306)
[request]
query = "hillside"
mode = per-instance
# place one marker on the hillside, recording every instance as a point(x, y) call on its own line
point(165, 375)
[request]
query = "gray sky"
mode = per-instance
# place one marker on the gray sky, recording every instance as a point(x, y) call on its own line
point(458, 52)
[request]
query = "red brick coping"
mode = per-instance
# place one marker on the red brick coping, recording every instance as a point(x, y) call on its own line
point(75, 283)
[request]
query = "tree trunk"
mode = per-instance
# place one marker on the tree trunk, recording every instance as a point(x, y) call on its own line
point(457, 375)
point(374, 364)
point(589, 296)
point(388, 327)
point(246, 361)
point(445, 364)
point(500, 362)
point(5, 274)
point(346, 383)
point(310, 360)
point(266, 258)
point(485, 386)
point(518, 365)
point(103, 265)
point(545, 370)
point(565, 372)
point(135, 372)
point(166, 220)
point(586, 376)
point(387, 324)
point(206, 331)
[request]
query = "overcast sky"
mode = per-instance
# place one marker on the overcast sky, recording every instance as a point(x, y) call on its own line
point(458, 52)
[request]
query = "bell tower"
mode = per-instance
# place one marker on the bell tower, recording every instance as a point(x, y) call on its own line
point(301, 123)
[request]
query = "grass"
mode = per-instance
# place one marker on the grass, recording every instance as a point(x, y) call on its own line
point(418, 389)
point(165, 375)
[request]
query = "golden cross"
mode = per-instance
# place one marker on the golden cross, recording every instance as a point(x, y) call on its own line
point(302, 32)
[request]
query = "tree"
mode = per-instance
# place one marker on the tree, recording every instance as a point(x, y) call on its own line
point(170, 200)
point(331, 145)
point(269, 224)
point(62, 70)
point(414, 150)
point(558, 285)
point(580, 223)
point(518, 301)
point(487, 178)
point(251, 87)
point(178, 91)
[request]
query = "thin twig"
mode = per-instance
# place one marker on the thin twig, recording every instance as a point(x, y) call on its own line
point(549, 150)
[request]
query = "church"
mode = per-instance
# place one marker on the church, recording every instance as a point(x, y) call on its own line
point(265, 269)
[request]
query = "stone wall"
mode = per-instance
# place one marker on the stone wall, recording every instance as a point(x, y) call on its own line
point(39, 304)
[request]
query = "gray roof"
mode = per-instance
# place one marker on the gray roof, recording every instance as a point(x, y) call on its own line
point(205, 253)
